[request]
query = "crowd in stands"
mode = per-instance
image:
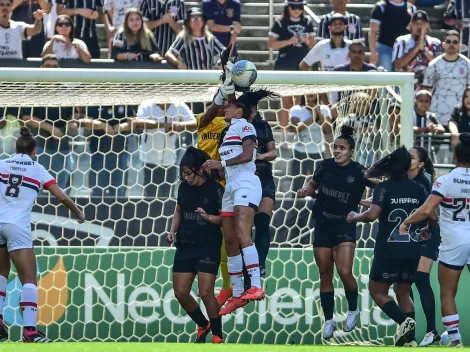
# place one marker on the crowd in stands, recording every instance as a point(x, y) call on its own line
point(194, 38)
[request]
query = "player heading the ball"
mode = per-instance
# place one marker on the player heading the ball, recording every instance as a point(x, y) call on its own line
point(20, 180)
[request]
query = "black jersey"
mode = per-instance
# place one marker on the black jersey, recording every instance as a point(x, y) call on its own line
point(424, 181)
point(193, 230)
point(398, 200)
point(340, 189)
point(264, 135)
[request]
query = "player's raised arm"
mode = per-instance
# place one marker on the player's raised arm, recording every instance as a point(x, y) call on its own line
point(65, 200)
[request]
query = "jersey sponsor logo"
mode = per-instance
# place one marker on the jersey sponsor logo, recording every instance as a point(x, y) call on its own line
point(210, 135)
point(247, 129)
point(456, 180)
point(341, 197)
point(227, 152)
point(404, 201)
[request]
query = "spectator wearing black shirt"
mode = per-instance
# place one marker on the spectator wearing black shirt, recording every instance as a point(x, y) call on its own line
point(424, 120)
point(224, 20)
point(292, 35)
point(195, 48)
point(340, 183)
point(460, 118)
point(84, 13)
point(389, 20)
point(135, 41)
point(196, 233)
point(357, 57)
point(22, 10)
point(396, 255)
point(165, 19)
point(353, 29)
point(64, 45)
point(413, 52)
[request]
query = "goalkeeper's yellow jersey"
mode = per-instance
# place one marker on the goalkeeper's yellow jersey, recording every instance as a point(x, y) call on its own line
point(208, 136)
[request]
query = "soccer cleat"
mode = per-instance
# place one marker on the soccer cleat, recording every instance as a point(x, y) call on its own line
point(202, 333)
point(34, 336)
point(3, 331)
point(223, 296)
point(412, 343)
point(351, 321)
point(253, 294)
point(328, 329)
point(430, 338)
point(233, 304)
point(455, 343)
point(406, 332)
point(217, 339)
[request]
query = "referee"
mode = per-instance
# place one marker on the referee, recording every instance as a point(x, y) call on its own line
point(353, 28)
point(164, 18)
point(195, 48)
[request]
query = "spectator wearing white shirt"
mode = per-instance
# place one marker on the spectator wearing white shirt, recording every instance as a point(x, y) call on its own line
point(329, 52)
point(12, 33)
point(64, 45)
point(158, 143)
point(115, 13)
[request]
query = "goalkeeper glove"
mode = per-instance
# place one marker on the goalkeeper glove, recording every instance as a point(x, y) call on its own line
point(227, 89)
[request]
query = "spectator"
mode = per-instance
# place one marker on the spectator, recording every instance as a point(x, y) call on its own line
point(424, 120)
point(357, 57)
point(22, 10)
point(413, 52)
point(84, 13)
point(292, 35)
point(458, 15)
point(50, 61)
point(223, 20)
point(308, 146)
point(195, 48)
point(353, 29)
point(329, 52)
point(460, 118)
point(49, 20)
point(447, 76)
point(165, 19)
point(158, 144)
point(12, 33)
point(135, 41)
point(389, 20)
point(115, 13)
point(64, 45)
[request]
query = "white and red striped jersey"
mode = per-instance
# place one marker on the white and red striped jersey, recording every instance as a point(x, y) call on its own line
point(232, 145)
point(20, 181)
point(454, 219)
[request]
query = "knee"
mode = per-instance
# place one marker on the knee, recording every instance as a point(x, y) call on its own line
point(180, 294)
point(345, 272)
point(326, 272)
point(206, 293)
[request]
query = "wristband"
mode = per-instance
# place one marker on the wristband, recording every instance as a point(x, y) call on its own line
point(224, 163)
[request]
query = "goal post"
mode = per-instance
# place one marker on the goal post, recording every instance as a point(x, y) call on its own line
point(109, 279)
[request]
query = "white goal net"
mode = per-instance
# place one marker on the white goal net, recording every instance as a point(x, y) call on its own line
point(110, 278)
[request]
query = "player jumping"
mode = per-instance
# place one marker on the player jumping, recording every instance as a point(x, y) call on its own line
point(241, 200)
point(396, 255)
point(451, 193)
point(340, 182)
point(20, 181)
point(196, 233)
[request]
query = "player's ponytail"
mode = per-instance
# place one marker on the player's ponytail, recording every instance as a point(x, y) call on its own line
point(462, 149)
point(423, 156)
point(394, 165)
point(26, 143)
point(347, 133)
point(193, 159)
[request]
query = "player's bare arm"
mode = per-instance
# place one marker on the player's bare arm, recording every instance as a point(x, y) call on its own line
point(174, 225)
point(368, 216)
point(243, 158)
point(213, 219)
point(65, 200)
point(271, 152)
point(426, 211)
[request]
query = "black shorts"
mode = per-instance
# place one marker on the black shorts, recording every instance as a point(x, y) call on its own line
point(196, 260)
point(430, 248)
point(268, 187)
point(329, 239)
point(393, 270)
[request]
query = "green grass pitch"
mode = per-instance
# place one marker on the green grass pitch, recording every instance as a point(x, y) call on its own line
point(180, 347)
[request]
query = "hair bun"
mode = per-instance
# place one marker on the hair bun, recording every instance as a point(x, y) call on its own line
point(347, 131)
point(25, 132)
point(464, 138)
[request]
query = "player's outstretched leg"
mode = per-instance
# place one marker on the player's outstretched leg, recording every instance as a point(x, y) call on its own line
point(4, 271)
point(206, 282)
point(226, 291)
point(343, 256)
point(25, 263)
point(324, 261)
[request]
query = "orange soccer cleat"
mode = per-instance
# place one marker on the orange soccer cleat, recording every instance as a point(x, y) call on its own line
point(223, 296)
point(202, 333)
point(217, 339)
point(253, 294)
point(233, 304)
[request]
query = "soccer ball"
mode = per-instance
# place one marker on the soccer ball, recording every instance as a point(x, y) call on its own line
point(244, 73)
point(444, 338)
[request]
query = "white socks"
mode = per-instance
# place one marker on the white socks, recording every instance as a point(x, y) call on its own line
point(250, 255)
point(3, 292)
point(29, 305)
point(235, 270)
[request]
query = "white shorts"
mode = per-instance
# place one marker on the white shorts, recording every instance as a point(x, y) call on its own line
point(455, 258)
point(15, 237)
point(244, 190)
